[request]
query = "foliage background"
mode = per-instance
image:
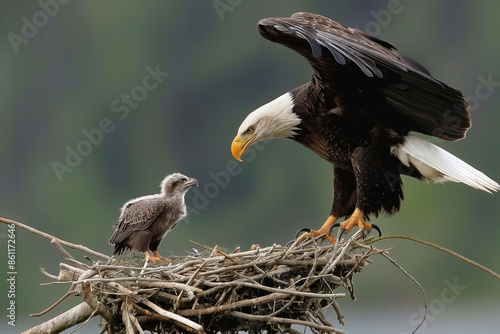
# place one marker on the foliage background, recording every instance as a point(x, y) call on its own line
point(65, 78)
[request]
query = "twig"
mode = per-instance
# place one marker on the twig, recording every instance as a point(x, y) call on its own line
point(276, 320)
point(360, 261)
point(51, 237)
point(329, 267)
point(232, 306)
point(289, 292)
point(340, 317)
point(136, 323)
point(143, 269)
point(126, 317)
point(443, 249)
point(64, 252)
point(159, 317)
point(220, 270)
point(159, 310)
point(84, 322)
point(49, 275)
point(130, 321)
point(150, 282)
point(168, 285)
point(285, 307)
point(51, 307)
point(173, 316)
point(214, 250)
point(191, 279)
point(66, 268)
point(416, 282)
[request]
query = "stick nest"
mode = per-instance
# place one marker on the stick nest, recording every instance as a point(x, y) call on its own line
point(271, 289)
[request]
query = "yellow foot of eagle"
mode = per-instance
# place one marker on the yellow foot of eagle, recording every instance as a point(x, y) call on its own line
point(356, 219)
point(324, 230)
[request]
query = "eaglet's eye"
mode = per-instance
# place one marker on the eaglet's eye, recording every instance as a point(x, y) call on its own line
point(179, 181)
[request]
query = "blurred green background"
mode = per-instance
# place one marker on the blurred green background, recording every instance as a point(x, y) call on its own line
point(75, 70)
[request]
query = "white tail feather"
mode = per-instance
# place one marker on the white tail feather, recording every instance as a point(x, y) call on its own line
point(438, 165)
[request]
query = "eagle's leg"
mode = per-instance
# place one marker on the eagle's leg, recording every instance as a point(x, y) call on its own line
point(324, 230)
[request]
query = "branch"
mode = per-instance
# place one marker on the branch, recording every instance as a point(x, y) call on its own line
point(173, 316)
point(159, 317)
point(443, 249)
point(170, 315)
point(286, 291)
point(52, 238)
point(68, 319)
point(231, 306)
point(275, 320)
point(51, 307)
point(426, 305)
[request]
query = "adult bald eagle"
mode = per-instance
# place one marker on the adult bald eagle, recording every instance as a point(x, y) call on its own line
point(145, 220)
point(357, 112)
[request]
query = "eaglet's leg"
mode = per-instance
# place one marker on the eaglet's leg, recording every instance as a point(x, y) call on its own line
point(151, 258)
point(157, 255)
point(153, 246)
point(140, 240)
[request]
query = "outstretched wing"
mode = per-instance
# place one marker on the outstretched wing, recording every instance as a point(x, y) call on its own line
point(349, 61)
point(136, 216)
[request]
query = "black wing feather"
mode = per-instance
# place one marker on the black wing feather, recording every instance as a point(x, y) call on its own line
point(428, 105)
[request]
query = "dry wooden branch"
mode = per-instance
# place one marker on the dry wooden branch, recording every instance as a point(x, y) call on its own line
point(174, 317)
point(52, 238)
point(282, 321)
point(66, 320)
point(442, 249)
point(51, 307)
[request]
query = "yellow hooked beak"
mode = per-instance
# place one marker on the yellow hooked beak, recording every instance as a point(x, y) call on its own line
point(239, 147)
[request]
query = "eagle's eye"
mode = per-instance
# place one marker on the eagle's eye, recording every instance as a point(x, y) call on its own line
point(250, 130)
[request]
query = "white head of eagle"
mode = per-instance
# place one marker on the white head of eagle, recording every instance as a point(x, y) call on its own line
point(275, 119)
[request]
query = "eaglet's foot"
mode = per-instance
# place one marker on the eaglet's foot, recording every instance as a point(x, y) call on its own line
point(156, 257)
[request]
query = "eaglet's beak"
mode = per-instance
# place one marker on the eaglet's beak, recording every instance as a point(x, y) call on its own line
point(192, 182)
point(239, 147)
